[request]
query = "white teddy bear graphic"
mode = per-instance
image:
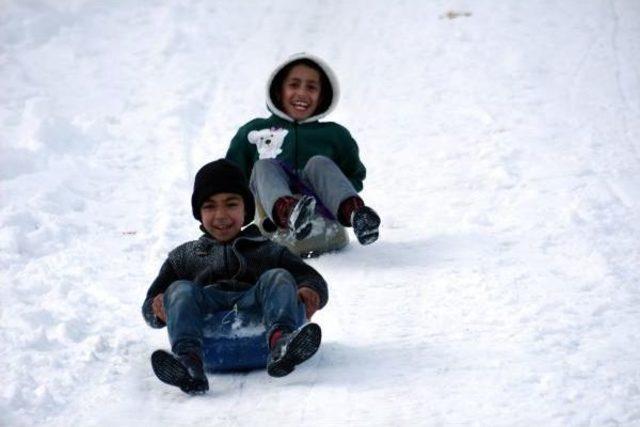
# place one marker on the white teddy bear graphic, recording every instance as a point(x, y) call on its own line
point(268, 141)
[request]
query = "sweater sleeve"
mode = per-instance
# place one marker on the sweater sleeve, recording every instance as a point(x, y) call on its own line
point(166, 277)
point(304, 274)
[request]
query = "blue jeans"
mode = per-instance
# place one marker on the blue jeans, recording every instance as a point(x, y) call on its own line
point(274, 296)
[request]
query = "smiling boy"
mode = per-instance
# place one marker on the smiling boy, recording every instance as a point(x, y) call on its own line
point(316, 166)
point(230, 267)
point(300, 93)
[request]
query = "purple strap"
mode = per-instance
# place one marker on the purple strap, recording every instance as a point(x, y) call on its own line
point(299, 187)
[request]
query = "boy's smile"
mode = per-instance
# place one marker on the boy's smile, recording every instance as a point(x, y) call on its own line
point(301, 92)
point(223, 216)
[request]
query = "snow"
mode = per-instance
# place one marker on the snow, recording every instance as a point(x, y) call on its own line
point(502, 140)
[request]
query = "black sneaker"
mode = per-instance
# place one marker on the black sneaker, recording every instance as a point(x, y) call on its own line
point(301, 216)
point(293, 349)
point(365, 222)
point(184, 371)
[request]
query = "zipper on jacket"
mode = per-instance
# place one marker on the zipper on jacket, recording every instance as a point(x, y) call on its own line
point(295, 147)
point(226, 260)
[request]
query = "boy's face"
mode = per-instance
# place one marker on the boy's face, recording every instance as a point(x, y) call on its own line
point(223, 215)
point(301, 92)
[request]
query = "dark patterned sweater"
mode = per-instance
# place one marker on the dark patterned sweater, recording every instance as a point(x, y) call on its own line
point(232, 266)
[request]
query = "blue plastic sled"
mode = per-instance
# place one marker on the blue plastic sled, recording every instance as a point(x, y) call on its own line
point(236, 341)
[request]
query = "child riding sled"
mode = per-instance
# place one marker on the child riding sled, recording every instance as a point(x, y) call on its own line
point(298, 165)
point(231, 268)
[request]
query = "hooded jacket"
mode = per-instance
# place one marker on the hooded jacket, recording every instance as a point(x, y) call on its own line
point(295, 142)
point(234, 266)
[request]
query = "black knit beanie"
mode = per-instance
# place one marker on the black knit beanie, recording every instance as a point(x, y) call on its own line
point(221, 176)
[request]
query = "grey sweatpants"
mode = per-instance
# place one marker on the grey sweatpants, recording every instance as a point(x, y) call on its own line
point(269, 182)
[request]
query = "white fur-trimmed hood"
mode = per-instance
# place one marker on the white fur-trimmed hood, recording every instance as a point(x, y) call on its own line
point(333, 80)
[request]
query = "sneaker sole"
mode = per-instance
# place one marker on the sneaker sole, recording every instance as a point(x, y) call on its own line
point(304, 345)
point(304, 211)
point(170, 371)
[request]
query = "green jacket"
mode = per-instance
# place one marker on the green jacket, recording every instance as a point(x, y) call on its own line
point(295, 143)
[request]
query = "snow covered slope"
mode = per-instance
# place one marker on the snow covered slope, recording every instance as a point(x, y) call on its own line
point(503, 145)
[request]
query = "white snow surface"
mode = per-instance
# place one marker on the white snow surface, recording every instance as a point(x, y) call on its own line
point(502, 140)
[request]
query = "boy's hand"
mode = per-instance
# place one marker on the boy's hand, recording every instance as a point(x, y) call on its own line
point(310, 299)
point(158, 308)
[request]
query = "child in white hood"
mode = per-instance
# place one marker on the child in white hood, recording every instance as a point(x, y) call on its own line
point(299, 165)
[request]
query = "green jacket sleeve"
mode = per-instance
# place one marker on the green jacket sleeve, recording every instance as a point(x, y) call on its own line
point(350, 163)
point(240, 153)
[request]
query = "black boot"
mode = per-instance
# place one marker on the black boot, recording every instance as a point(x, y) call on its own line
point(185, 371)
point(365, 222)
point(301, 216)
point(293, 348)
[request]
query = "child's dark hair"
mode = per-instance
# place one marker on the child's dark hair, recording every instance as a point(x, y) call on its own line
point(326, 91)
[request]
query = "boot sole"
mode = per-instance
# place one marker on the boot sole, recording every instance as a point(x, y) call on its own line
point(368, 238)
point(169, 370)
point(304, 212)
point(304, 345)
point(368, 223)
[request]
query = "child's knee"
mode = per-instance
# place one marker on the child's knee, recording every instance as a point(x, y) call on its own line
point(277, 277)
point(319, 163)
point(318, 160)
point(262, 168)
point(262, 164)
point(180, 289)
